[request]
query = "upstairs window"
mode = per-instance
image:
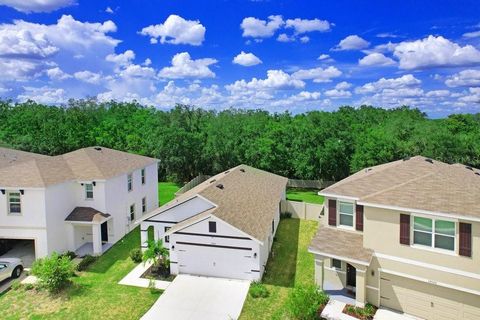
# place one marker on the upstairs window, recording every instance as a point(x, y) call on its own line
point(88, 191)
point(167, 238)
point(143, 176)
point(132, 212)
point(212, 227)
point(129, 182)
point(144, 204)
point(345, 213)
point(435, 233)
point(14, 203)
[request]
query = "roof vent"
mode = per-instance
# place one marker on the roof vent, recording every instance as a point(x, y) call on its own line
point(212, 181)
point(477, 173)
point(429, 160)
point(227, 171)
point(406, 158)
point(469, 168)
point(220, 186)
point(98, 148)
point(242, 170)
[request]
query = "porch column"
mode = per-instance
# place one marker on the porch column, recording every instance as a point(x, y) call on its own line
point(361, 290)
point(319, 262)
point(97, 239)
point(143, 236)
point(70, 236)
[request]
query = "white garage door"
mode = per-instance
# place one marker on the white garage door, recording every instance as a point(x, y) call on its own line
point(426, 300)
point(214, 261)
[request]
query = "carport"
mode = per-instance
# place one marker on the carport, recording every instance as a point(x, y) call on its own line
point(18, 248)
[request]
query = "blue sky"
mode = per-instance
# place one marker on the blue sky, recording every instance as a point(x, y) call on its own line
point(275, 55)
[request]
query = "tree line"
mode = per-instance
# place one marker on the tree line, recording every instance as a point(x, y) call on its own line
point(191, 141)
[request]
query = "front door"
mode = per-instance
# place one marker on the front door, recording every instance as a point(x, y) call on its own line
point(104, 228)
point(351, 276)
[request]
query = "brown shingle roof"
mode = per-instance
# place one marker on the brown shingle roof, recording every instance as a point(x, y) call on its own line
point(416, 183)
point(86, 214)
point(340, 244)
point(248, 201)
point(29, 170)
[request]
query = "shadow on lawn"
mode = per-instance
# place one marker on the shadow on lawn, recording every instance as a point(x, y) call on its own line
point(282, 263)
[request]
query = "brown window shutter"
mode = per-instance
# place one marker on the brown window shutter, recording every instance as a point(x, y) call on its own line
point(405, 229)
point(359, 218)
point(465, 239)
point(332, 212)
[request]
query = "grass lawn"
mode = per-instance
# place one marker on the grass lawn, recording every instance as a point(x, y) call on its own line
point(94, 295)
point(289, 265)
point(304, 195)
point(166, 191)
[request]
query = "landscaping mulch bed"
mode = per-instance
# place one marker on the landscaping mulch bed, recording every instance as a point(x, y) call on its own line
point(150, 274)
point(366, 313)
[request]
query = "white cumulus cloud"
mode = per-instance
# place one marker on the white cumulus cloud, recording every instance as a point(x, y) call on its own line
point(435, 52)
point(176, 30)
point(465, 78)
point(28, 6)
point(257, 28)
point(304, 25)
point(276, 80)
point(402, 82)
point(246, 59)
point(317, 74)
point(44, 95)
point(375, 59)
point(183, 66)
point(352, 42)
point(121, 59)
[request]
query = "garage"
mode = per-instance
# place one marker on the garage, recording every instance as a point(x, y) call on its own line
point(212, 260)
point(425, 300)
point(18, 248)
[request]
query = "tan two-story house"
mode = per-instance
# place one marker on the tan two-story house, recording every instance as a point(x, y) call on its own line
point(404, 235)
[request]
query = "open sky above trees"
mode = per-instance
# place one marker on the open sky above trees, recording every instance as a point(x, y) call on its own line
point(275, 55)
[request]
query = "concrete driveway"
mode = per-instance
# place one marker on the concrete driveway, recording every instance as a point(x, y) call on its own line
point(192, 297)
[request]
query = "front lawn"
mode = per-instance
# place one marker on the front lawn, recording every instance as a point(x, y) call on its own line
point(289, 265)
point(304, 195)
point(95, 294)
point(166, 191)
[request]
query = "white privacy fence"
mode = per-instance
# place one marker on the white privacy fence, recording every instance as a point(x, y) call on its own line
point(301, 210)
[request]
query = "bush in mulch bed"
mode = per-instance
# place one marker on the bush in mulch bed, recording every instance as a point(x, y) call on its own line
point(365, 313)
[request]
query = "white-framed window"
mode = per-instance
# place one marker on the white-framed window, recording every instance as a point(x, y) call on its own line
point(144, 204)
point(132, 212)
point(129, 182)
point(434, 233)
point(88, 191)
point(14, 203)
point(143, 176)
point(345, 213)
point(167, 238)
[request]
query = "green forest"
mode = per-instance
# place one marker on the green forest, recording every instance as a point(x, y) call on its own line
point(191, 141)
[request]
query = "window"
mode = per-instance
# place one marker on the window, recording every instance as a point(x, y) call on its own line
point(143, 176)
point(129, 182)
point(212, 226)
point(434, 233)
point(132, 212)
point(88, 191)
point(167, 238)
point(144, 205)
point(337, 264)
point(346, 213)
point(14, 205)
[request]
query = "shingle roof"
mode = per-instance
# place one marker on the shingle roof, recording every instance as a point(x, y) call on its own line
point(248, 201)
point(340, 244)
point(86, 214)
point(416, 183)
point(29, 170)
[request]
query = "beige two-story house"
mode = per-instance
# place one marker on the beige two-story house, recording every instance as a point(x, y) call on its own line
point(404, 235)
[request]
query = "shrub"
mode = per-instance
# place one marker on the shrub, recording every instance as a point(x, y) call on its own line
point(285, 215)
point(53, 272)
point(136, 255)
point(362, 313)
point(157, 253)
point(16, 284)
point(86, 261)
point(304, 301)
point(70, 254)
point(258, 290)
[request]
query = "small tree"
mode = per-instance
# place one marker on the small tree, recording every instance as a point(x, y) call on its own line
point(304, 301)
point(53, 272)
point(157, 253)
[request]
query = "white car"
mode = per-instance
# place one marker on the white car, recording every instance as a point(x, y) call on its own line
point(10, 267)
